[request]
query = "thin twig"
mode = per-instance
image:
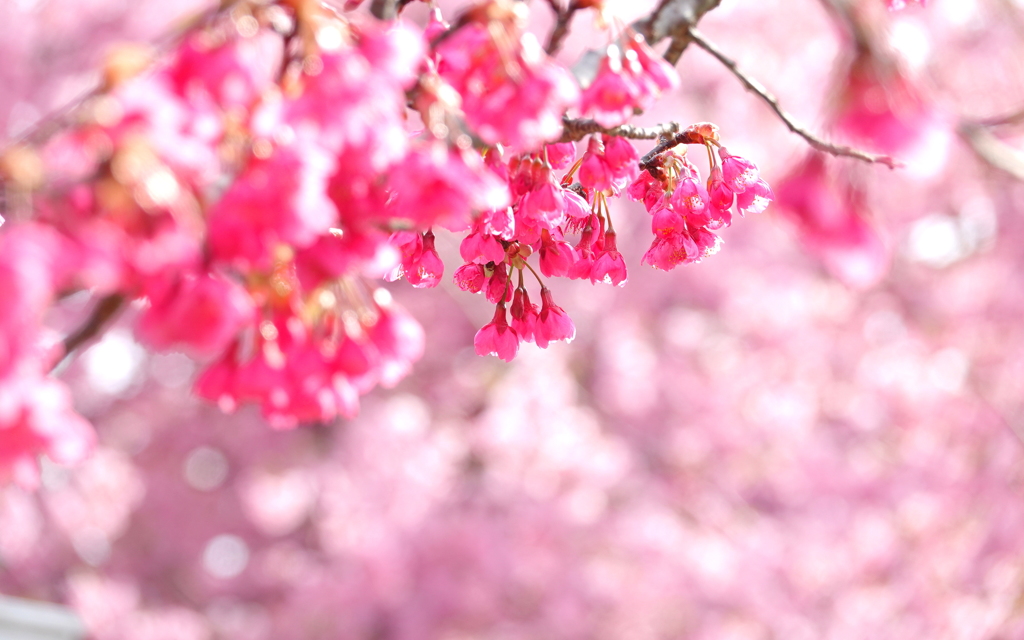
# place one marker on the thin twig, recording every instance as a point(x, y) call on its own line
point(563, 15)
point(104, 311)
point(672, 19)
point(687, 136)
point(791, 124)
point(578, 128)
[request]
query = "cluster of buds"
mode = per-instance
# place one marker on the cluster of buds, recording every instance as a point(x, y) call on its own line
point(685, 211)
point(563, 225)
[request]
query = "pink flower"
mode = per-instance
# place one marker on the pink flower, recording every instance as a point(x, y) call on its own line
point(556, 256)
point(497, 337)
point(691, 200)
point(629, 79)
point(667, 222)
point(498, 286)
point(832, 219)
point(435, 185)
point(426, 270)
point(686, 246)
point(610, 99)
point(410, 246)
point(576, 207)
point(560, 155)
point(756, 198)
point(234, 74)
point(512, 93)
point(738, 173)
point(480, 248)
point(647, 189)
point(282, 198)
point(470, 277)
point(524, 315)
point(609, 165)
point(584, 264)
point(655, 72)
point(884, 109)
point(499, 222)
point(399, 338)
point(37, 418)
point(609, 267)
point(544, 206)
point(720, 195)
point(553, 323)
point(200, 312)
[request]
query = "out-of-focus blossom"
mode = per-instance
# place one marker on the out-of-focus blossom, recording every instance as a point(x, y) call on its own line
point(831, 217)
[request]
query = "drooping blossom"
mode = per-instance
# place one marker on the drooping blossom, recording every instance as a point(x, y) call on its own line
point(630, 77)
point(831, 217)
point(470, 277)
point(609, 265)
point(609, 164)
point(497, 337)
point(553, 323)
point(512, 93)
point(524, 315)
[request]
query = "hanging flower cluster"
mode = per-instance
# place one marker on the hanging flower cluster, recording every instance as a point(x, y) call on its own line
point(253, 189)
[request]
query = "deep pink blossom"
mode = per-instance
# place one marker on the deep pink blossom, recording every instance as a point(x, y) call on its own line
point(556, 256)
point(279, 199)
point(470, 277)
point(629, 79)
point(37, 418)
point(738, 173)
point(499, 287)
point(198, 312)
point(512, 93)
point(233, 73)
point(497, 337)
point(544, 207)
point(436, 185)
point(756, 198)
point(422, 267)
point(832, 218)
point(524, 315)
point(553, 323)
point(609, 164)
point(609, 265)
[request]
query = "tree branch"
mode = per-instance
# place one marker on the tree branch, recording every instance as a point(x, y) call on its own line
point(104, 311)
point(773, 102)
point(673, 19)
point(578, 128)
point(563, 15)
point(384, 9)
point(992, 150)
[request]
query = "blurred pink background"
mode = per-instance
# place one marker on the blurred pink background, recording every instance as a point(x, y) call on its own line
point(816, 433)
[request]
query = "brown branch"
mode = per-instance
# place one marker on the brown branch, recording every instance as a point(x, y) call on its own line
point(104, 311)
point(687, 136)
point(563, 15)
point(578, 128)
point(384, 9)
point(673, 19)
point(773, 102)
